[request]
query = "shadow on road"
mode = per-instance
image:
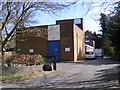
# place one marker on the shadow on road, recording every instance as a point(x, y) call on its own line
point(109, 75)
point(99, 61)
point(106, 79)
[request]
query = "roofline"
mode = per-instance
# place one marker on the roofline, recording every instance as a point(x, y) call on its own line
point(69, 19)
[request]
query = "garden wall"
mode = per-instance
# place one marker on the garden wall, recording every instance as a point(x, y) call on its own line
point(25, 69)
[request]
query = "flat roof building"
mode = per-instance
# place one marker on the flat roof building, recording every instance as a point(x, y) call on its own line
point(65, 40)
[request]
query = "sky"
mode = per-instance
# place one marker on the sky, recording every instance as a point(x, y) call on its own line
point(79, 10)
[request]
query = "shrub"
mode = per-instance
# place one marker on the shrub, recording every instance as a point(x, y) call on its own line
point(34, 60)
point(39, 59)
point(25, 59)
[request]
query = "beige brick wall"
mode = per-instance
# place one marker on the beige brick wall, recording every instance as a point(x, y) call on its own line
point(79, 45)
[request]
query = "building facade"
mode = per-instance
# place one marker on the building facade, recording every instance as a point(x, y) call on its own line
point(72, 39)
point(32, 40)
point(65, 40)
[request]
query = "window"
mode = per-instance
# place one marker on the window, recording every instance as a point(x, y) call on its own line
point(67, 49)
point(31, 50)
point(89, 53)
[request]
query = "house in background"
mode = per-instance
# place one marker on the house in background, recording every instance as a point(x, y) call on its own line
point(89, 41)
point(89, 35)
point(65, 40)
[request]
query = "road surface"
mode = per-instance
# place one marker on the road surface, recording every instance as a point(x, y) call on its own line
point(88, 74)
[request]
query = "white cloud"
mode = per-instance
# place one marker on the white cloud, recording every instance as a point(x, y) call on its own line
point(92, 25)
point(95, 10)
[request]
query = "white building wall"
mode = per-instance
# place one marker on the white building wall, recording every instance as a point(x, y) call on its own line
point(53, 32)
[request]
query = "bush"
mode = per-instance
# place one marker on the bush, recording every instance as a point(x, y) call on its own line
point(39, 59)
point(25, 59)
point(34, 60)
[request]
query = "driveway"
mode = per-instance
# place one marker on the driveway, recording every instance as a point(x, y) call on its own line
point(86, 74)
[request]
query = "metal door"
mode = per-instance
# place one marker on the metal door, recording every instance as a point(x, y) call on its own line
point(54, 49)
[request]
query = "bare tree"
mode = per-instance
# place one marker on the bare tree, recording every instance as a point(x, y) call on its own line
point(14, 15)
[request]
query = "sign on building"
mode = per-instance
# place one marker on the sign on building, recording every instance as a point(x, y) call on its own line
point(31, 50)
point(67, 49)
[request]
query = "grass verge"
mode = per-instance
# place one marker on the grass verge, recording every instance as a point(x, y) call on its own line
point(17, 76)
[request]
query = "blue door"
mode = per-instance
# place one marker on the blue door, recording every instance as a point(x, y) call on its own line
point(54, 49)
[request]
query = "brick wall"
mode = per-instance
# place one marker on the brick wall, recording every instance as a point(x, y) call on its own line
point(72, 37)
point(36, 41)
point(66, 39)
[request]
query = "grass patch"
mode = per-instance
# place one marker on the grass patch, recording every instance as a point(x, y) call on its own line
point(16, 76)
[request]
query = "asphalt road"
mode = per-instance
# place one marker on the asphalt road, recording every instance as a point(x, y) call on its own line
point(88, 74)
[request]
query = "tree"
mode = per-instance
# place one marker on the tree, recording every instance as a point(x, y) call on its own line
point(111, 30)
point(103, 23)
point(19, 13)
point(105, 45)
point(98, 40)
point(114, 29)
point(14, 15)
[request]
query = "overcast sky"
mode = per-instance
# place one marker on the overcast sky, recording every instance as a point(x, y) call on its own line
point(79, 10)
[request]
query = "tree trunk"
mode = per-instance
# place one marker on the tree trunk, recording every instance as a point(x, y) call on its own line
point(2, 56)
point(1, 50)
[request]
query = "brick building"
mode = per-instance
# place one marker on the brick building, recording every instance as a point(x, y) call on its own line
point(89, 41)
point(32, 40)
point(89, 35)
point(65, 40)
